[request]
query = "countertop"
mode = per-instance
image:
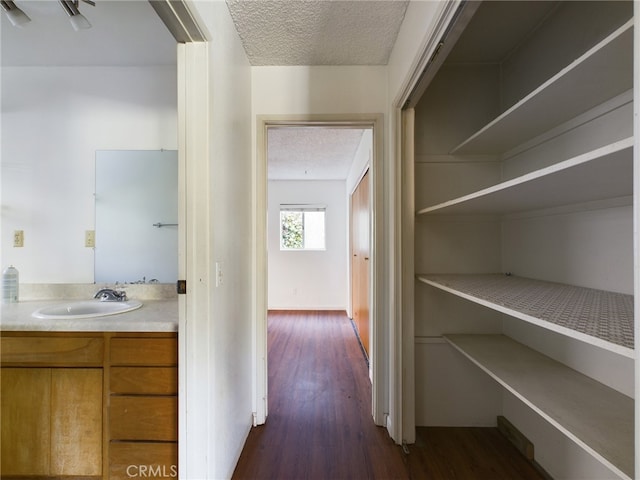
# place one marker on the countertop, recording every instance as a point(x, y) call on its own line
point(154, 316)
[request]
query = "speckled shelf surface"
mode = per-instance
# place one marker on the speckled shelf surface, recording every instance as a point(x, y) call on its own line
point(159, 311)
point(605, 316)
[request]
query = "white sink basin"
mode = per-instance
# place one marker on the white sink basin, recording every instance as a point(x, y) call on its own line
point(85, 309)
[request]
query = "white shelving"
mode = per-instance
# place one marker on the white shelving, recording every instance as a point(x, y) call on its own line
point(603, 173)
point(589, 81)
point(597, 317)
point(596, 417)
point(549, 116)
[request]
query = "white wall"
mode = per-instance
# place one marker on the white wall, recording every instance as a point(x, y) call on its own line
point(53, 121)
point(314, 90)
point(309, 280)
point(219, 389)
point(568, 248)
point(361, 161)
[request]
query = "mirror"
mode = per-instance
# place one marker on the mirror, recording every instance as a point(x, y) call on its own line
point(136, 201)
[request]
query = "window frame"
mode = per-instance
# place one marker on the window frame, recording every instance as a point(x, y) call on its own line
point(303, 208)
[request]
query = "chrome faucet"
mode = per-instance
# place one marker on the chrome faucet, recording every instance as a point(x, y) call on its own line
point(110, 295)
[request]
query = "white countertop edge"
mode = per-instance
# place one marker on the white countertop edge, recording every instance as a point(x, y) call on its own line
point(153, 316)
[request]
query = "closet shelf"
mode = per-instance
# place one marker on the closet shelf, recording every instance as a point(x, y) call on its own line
point(583, 84)
point(597, 317)
point(603, 173)
point(596, 417)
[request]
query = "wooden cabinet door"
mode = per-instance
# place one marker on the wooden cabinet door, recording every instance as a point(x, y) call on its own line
point(76, 421)
point(51, 421)
point(25, 409)
point(360, 250)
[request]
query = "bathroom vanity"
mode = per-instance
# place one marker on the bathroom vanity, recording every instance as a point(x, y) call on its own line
point(90, 398)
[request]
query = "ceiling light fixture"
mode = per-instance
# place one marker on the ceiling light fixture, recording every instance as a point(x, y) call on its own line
point(78, 21)
point(16, 16)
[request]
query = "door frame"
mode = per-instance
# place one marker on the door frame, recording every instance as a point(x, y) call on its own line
point(379, 350)
point(194, 234)
point(448, 23)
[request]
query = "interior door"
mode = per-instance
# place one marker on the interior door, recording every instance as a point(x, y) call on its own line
point(360, 248)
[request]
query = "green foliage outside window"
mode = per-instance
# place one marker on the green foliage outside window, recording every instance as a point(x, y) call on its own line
point(292, 230)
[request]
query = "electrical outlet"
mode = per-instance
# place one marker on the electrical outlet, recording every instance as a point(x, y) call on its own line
point(18, 238)
point(90, 238)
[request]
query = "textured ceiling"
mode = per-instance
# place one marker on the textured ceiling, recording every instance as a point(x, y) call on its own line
point(311, 153)
point(317, 32)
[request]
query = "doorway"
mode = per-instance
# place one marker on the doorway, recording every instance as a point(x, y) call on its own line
point(309, 176)
point(264, 244)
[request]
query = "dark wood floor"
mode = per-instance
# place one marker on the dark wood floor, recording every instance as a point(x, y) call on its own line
point(320, 427)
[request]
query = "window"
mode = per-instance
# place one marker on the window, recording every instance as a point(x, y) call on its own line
point(302, 227)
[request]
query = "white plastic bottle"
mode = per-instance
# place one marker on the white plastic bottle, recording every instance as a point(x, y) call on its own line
point(10, 282)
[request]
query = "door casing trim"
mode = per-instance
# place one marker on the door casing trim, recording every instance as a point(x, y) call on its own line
point(379, 300)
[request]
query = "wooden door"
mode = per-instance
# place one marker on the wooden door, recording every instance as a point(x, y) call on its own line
point(51, 422)
point(26, 421)
point(360, 251)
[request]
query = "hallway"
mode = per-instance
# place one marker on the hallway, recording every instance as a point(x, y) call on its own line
point(320, 426)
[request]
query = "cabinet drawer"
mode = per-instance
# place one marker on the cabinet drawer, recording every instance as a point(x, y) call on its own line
point(52, 352)
point(141, 380)
point(144, 351)
point(144, 418)
point(142, 460)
